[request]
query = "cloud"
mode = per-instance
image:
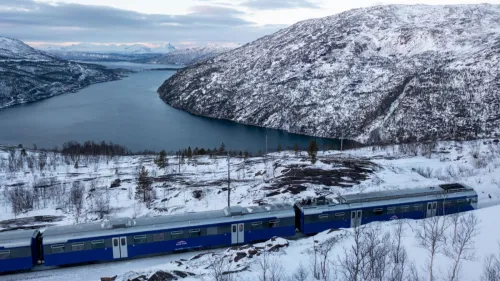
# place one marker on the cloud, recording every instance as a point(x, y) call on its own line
point(36, 21)
point(278, 4)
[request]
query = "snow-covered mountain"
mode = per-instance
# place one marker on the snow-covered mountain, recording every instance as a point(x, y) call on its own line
point(382, 74)
point(28, 75)
point(188, 56)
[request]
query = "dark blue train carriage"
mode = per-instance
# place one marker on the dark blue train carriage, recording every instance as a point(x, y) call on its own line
point(18, 250)
point(356, 209)
point(127, 238)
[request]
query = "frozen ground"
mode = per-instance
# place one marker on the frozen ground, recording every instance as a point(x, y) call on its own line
point(280, 177)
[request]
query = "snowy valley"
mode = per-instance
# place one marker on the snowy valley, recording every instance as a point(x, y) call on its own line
point(200, 183)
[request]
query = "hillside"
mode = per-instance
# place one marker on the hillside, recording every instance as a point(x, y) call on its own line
point(380, 74)
point(198, 184)
point(28, 75)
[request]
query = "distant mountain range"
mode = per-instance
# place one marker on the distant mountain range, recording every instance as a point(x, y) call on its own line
point(165, 54)
point(136, 49)
point(392, 73)
point(187, 56)
point(28, 75)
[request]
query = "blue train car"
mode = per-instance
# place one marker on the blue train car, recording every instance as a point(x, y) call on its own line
point(126, 238)
point(18, 250)
point(355, 209)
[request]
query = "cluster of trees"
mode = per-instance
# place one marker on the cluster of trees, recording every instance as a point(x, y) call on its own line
point(73, 148)
point(375, 255)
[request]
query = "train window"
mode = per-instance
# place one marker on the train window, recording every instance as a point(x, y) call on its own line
point(177, 234)
point(77, 247)
point(158, 237)
point(339, 214)
point(124, 242)
point(57, 249)
point(353, 215)
point(323, 216)
point(115, 242)
point(257, 225)
point(4, 255)
point(391, 210)
point(194, 232)
point(405, 209)
point(99, 244)
point(378, 211)
point(139, 239)
point(273, 223)
point(212, 231)
point(234, 228)
point(417, 207)
point(461, 200)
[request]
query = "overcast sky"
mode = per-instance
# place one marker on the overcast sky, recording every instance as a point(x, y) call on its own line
point(181, 22)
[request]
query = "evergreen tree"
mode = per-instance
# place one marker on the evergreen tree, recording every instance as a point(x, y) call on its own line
point(76, 164)
point(312, 150)
point(23, 152)
point(296, 149)
point(202, 151)
point(144, 186)
point(222, 148)
point(189, 153)
point(241, 153)
point(246, 154)
point(161, 160)
point(278, 149)
point(196, 151)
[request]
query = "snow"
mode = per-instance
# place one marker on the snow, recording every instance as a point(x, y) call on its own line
point(450, 162)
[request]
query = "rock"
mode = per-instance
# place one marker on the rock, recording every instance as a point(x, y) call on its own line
point(109, 278)
point(162, 276)
point(115, 183)
point(181, 274)
point(239, 256)
point(197, 194)
point(252, 252)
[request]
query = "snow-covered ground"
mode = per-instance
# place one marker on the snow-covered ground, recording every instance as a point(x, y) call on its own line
point(258, 179)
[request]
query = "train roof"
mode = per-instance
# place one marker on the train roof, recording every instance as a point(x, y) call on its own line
point(17, 238)
point(382, 198)
point(122, 226)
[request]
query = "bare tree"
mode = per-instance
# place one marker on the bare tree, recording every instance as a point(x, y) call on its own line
point(491, 271)
point(324, 252)
point(462, 246)
point(398, 255)
point(21, 199)
point(220, 268)
point(376, 248)
point(431, 236)
point(270, 268)
point(351, 263)
point(76, 198)
point(300, 274)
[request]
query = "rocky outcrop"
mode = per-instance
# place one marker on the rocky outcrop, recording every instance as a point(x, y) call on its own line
point(380, 74)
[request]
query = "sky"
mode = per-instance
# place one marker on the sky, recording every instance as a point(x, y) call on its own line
point(180, 22)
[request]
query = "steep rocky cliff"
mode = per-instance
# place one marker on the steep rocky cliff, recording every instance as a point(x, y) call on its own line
point(384, 74)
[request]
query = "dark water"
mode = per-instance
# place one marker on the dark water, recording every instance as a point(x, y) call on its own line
point(130, 112)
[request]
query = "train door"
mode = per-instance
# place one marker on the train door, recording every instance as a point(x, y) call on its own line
point(123, 247)
point(356, 218)
point(120, 249)
point(241, 233)
point(431, 209)
point(234, 234)
point(116, 248)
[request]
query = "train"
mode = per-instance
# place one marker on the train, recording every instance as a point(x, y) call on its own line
point(126, 238)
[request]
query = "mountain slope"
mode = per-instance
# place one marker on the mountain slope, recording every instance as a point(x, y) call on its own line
point(28, 75)
point(380, 74)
